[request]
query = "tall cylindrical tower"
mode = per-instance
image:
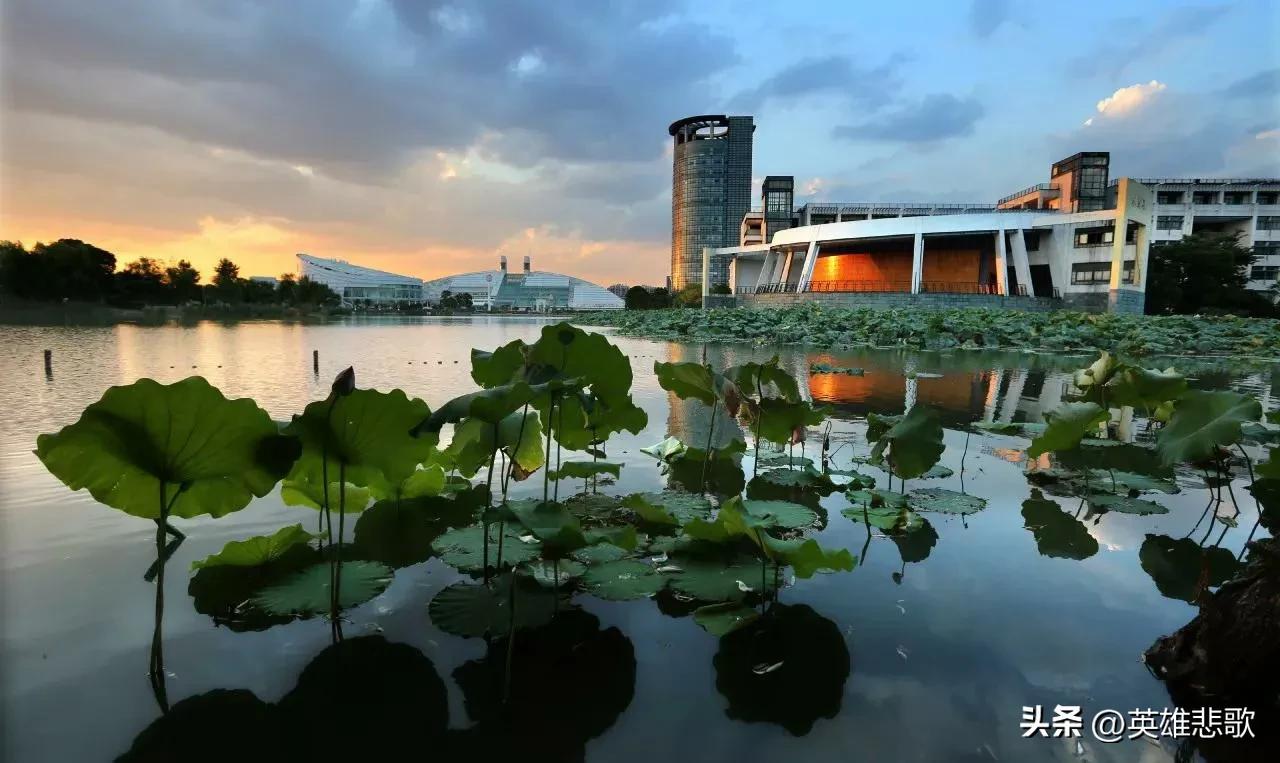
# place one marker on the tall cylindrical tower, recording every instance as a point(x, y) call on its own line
point(710, 192)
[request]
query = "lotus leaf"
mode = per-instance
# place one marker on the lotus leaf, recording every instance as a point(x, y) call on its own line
point(1068, 424)
point(309, 592)
point(724, 618)
point(944, 501)
point(623, 580)
point(1204, 421)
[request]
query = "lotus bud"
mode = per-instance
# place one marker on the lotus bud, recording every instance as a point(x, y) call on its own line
point(344, 384)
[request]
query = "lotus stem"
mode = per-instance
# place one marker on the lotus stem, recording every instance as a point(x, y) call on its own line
point(484, 523)
point(1258, 506)
point(156, 672)
point(511, 641)
point(546, 469)
point(706, 461)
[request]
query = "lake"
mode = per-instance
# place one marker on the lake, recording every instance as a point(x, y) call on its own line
point(1024, 603)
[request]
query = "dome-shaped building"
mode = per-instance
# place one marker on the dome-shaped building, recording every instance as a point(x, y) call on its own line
point(532, 290)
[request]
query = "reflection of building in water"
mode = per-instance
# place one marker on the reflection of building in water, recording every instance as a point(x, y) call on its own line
point(688, 419)
point(1017, 394)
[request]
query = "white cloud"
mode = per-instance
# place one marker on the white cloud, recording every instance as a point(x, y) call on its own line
point(1268, 135)
point(1129, 99)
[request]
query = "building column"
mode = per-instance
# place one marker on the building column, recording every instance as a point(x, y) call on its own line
point(1141, 250)
point(1002, 266)
point(1017, 382)
point(1118, 231)
point(806, 272)
point(786, 266)
point(917, 262)
point(706, 273)
point(994, 379)
point(1021, 263)
point(766, 268)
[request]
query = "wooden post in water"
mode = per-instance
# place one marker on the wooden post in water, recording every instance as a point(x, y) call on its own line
point(48, 362)
point(315, 362)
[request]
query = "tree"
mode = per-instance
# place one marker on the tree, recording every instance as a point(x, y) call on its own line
point(65, 269)
point(637, 298)
point(226, 281)
point(689, 296)
point(659, 297)
point(308, 292)
point(1203, 272)
point(257, 292)
point(183, 281)
point(142, 282)
point(286, 288)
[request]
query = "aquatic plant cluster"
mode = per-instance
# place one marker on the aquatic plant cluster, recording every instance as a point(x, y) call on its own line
point(715, 544)
point(831, 327)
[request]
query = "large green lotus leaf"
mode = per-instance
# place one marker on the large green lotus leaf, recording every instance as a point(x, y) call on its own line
point(805, 556)
point(399, 533)
point(222, 453)
point(623, 580)
point(422, 483)
point(494, 369)
point(601, 418)
point(670, 507)
point(489, 405)
point(301, 491)
point(724, 618)
point(666, 450)
point(1143, 388)
point(937, 471)
point(225, 592)
point(551, 523)
point(1257, 432)
point(547, 572)
point(1123, 504)
point(251, 552)
point(600, 553)
point(890, 519)
point(715, 579)
point(518, 435)
point(472, 610)
point(1204, 421)
point(913, 445)
point(785, 514)
point(1058, 534)
point(733, 520)
point(876, 497)
point(788, 668)
point(783, 458)
point(879, 423)
point(622, 536)
point(1068, 424)
point(764, 380)
point(463, 548)
point(593, 506)
point(367, 433)
point(693, 472)
point(999, 427)
point(944, 501)
point(585, 469)
point(1101, 479)
point(689, 381)
point(805, 478)
point(1179, 567)
point(916, 545)
point(309, 592)
point(590, 358)
point(780, 421)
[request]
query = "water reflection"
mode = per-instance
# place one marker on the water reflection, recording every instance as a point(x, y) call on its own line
point(1058, 534)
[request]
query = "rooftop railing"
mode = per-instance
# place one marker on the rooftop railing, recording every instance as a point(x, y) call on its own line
point(1027, 190)
point(899, 287)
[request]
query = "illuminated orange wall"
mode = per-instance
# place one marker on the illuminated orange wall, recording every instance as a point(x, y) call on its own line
point(864, 266)
point(959, 265)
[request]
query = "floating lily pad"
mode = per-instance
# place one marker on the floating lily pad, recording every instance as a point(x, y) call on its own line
point(309, 592)
point(463, 548)
point(623, 580)
point(937, 471)
point(875, 498)
point(944, 501)
point(474, 609)
point(805, 557)
point(585, 469)
point(1057, 533)
point(713, 580)
point(890, 519)
point(600, 553)
point(226, 592)
point(400, 533)
point(259, 550)
point(780, 458)
point(545, 571)
point(725, 618)
point(593, 505)
point(1102, 478)
point(670, 507)
point(783, 514)
point(797, 478)
point(1126, 505)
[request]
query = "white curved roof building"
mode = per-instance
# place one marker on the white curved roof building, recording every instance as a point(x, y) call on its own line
point(358, 284)
point(528, 290)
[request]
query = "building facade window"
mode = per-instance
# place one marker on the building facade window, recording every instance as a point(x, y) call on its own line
point(1237, 197)
point(1094, 236)
point(1169, 197)
point(1268, 197)
point(1169, 222)
point(1267, 248)
point(1264, 273)
point(1204, 197)
point(1266, 222)
point(1093, 273)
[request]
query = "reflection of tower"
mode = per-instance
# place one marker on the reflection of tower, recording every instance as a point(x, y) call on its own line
point(710, 192)
point(688, 419)
point(1017, 381)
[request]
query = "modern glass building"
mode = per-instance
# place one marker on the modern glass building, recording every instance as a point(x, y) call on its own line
point(529, 290)
point(710, 192)
point(360, 285)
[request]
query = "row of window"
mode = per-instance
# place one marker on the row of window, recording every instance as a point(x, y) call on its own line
point(1103, 236)
point(1212, 197)
point(1264, 273)
point(1088, 273)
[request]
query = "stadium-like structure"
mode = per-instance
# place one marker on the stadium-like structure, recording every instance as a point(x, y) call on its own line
point(529, 290)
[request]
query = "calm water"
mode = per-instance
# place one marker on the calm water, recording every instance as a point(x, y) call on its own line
point(943, 652)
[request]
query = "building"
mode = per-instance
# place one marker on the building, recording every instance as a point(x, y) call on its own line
point(530, 290)
point(1076, 184)
point(710, 191)
point(1246, 207)
point(619, 289)
point(824, 212)
point(1034, 259)
point(778, 192)
point(266, 280)
point(359, 285)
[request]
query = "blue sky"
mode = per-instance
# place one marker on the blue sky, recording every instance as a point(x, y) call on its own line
point(430, 137)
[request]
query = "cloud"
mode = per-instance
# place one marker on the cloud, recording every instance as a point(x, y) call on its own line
point(1125, 43)
point(837, 76)
point(933, 118)
point(986, 16)
point(1127, 100)
point(1264, 84)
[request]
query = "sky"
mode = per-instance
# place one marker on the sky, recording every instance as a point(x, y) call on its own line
point(428, 138)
